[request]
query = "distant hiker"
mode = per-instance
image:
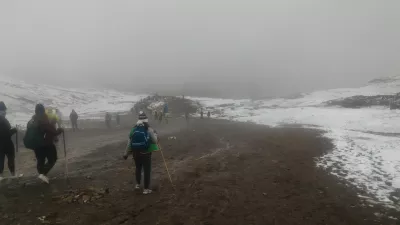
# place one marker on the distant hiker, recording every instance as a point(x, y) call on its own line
point(201, 114)
point(155, 115)
point(108, 120)
point(74, 120)
point(165, 109)
point(118, 119)
point(166, 112)
point(40, 136)
point(208, 114)
point(6, 144)
point(187, 115)
point(140, 138)
point(160, 116)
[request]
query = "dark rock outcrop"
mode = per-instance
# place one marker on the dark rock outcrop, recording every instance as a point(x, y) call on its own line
point(360, 101)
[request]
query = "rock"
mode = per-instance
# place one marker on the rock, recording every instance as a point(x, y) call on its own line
point(360, 101)
point(68, 199)
point(85, 198)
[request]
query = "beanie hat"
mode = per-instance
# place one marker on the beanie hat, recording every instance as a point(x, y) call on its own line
point(39, 109)
point(142, 117)
point(3, 106)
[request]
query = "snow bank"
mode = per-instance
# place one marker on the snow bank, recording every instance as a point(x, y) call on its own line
point(367, 141)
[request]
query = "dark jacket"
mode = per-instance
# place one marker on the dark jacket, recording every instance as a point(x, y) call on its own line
point(73, 116)
point(6, 133)
point(49, 131)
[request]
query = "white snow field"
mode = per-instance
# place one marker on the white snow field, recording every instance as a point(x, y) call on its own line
point(21, 98)
point(367, 140)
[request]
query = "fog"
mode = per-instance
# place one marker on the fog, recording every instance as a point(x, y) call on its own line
point(229, 48)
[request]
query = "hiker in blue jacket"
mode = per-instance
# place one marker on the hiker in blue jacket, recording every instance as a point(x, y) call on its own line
point(140, 138)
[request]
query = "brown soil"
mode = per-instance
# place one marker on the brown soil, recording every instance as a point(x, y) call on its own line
point(222, 172)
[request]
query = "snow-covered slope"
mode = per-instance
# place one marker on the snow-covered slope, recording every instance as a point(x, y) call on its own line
point(367, 140)
point(22, 97)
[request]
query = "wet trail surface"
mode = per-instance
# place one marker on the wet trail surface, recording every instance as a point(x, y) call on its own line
point(223, 173)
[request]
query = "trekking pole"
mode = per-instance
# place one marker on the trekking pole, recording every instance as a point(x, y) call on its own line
point(65, 157)
point(16, 151)
point(166, 167)
point(16, 140)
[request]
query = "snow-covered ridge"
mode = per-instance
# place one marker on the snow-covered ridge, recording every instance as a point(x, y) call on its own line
point(21, 98)
point(367, 140)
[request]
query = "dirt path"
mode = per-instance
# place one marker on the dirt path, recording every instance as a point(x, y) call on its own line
point(223, 173)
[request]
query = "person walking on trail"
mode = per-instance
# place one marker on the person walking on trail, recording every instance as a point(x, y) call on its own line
point(118, 119)
point(187, 116)
point(46, 149)
point(6, 144)
point(140, 138)
point(208, 114)
point(160, 117)
point(74, 120)
point(166, 112)
point(108, 120)
point(155, 115)
point(201, 114)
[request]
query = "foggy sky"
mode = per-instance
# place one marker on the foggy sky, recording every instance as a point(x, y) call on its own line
point(243, 47)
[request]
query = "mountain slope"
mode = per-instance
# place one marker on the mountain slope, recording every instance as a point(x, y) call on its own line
point(21, 98)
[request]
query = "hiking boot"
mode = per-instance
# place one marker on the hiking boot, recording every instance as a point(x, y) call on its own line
point(147, 191)
point(137, 187)
point(44, 178)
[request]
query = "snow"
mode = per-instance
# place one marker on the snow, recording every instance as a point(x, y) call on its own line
point(366, 152)
point(155, 105)
point(21, 98)
point(367, 141)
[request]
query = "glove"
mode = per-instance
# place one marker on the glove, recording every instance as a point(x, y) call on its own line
point(125, 157)
point(13, 130)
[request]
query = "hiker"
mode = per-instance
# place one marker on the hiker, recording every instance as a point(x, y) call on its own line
point(201, 113)
point(6, 144)
point(187, 116)
point(208, 114)
point(160, 116)
point(165, 109)
point(118, 119)
point(45, 133)
point(108, 120)
point(54, 120)
point(155, 115)
point(74, 120)
point(140, 138)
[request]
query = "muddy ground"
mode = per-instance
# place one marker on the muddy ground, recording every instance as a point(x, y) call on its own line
point(222, 172)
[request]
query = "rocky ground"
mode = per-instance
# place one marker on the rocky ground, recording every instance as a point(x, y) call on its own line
point(222, 173)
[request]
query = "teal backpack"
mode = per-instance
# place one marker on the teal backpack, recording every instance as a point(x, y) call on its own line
point(34, 137)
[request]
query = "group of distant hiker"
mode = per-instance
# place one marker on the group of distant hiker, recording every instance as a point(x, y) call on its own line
point(108, 119)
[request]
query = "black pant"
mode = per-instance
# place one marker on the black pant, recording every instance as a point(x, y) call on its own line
point(10, 158)
point(49, 153)
point(143, 161)
point(74, 125)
